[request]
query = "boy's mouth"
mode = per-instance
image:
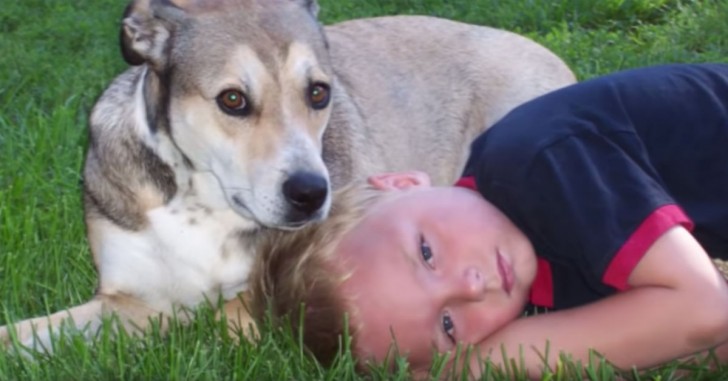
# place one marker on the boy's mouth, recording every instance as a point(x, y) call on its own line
point(506, 273)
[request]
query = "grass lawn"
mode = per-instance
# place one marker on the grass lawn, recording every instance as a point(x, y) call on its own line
point(56, 57)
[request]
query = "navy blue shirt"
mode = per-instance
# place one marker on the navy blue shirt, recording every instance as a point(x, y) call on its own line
point(594, 173)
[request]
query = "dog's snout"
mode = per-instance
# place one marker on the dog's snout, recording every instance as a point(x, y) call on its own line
point(306, 192)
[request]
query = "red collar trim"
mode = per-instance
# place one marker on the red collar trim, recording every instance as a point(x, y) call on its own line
point(467, 182)
point(542, 289)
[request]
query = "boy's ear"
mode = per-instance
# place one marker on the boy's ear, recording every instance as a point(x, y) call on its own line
point(399, 180)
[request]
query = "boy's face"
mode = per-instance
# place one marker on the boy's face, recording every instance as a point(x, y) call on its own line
point(432, 267)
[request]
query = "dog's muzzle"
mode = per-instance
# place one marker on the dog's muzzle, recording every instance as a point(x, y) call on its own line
point(306, 193)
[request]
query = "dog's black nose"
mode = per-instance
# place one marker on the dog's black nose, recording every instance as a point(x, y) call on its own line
point(306, 192)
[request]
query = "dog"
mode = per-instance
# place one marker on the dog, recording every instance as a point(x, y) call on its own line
point(238, 116)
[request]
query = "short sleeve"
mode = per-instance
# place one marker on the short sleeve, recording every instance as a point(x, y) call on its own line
point(586, 199)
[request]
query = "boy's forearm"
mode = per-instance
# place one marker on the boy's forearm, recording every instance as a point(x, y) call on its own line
point(633, 329)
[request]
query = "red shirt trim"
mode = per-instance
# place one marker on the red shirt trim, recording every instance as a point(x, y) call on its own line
point(632, 251)
point(542, 288)
point(467, 182)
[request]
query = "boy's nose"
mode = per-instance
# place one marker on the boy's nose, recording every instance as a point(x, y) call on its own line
point(472, 284)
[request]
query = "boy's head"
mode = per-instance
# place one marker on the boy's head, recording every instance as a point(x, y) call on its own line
point(420, 267)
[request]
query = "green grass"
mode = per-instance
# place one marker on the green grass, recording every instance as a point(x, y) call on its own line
point(56, 57)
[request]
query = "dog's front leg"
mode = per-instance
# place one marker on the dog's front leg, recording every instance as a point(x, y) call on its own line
point(239, 319)
point(37, 334)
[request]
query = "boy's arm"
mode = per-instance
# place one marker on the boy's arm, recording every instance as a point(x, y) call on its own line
point(677, 305)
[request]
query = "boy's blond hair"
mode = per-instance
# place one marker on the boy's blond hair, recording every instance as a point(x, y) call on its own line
point(297, 282)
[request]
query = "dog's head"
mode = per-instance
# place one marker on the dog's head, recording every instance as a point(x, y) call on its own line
point(243, 87)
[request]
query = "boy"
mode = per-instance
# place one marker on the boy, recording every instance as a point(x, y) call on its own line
point(600, 201)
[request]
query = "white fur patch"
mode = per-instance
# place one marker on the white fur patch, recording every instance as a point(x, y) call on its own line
point(189, 252)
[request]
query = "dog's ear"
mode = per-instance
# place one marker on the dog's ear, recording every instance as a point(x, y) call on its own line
point(146, 29)
point(311, 5)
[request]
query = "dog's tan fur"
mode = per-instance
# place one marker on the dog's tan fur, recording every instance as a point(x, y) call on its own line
point(178, 187)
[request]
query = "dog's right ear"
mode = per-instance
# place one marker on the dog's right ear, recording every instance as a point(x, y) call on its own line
point(145, 31)
point(311, 5)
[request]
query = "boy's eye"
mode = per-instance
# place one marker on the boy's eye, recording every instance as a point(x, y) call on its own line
point(448, 327)
point(425, 251)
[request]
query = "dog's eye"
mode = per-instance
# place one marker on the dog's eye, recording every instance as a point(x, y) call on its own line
point(233, 102)
point(319, 94)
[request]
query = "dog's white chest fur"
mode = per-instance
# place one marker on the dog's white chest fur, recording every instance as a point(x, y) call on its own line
point(189, 251)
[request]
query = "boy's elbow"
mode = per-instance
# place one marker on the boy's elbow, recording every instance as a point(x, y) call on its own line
point(709, 320)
